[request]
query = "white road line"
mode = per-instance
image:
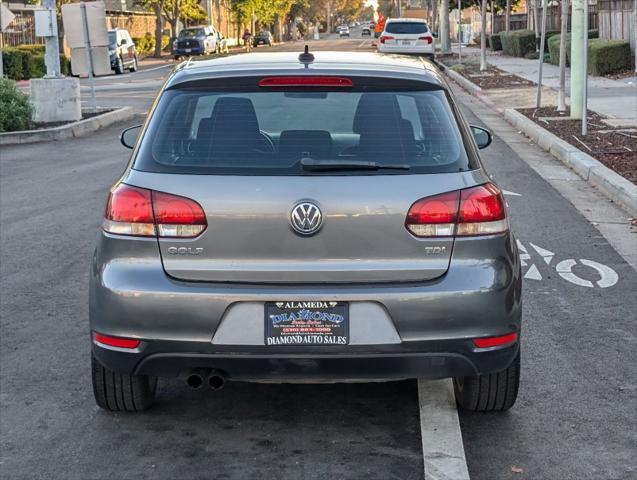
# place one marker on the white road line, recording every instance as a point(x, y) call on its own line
point(442, 447)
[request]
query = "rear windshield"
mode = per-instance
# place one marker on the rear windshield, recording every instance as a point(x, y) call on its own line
point(191, 33)
point(269, 132)
point(406, 27)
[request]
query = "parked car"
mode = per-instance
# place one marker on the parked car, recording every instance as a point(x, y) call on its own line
point(366, 31)
point(263, 38)
point(122, 51)
point(406, 35)
point(248, 240)
point(193, 41)
point(343, 31)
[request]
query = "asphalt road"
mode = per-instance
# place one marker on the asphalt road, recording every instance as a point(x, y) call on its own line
point(574, 418)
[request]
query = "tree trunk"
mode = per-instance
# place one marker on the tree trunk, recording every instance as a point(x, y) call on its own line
point(159, 27)
point(492, 18)
point(536, 21)
point(483, 38)
point(507, 16)
point(445, 41)
point(434, 15)
point(561, 93)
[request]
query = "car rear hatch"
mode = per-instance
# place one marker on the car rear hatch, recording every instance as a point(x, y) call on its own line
point(357, 213)
point(406, 34)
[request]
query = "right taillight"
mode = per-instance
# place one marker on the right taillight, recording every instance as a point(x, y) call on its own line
point(474, 211)
point(146, 213)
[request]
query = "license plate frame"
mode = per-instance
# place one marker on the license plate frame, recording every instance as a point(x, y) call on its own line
point(306, 323)
point(406, 42)
point(188, 50)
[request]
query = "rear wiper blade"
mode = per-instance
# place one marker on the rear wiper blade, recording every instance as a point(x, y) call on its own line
point(312, 164)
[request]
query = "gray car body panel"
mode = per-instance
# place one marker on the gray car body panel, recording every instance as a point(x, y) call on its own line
point(402, 303)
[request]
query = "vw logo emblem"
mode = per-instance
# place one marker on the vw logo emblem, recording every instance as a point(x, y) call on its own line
point(306, 218)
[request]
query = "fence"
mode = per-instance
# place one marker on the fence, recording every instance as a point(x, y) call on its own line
point(21, 31)
point(617, 20)
point(519, 21)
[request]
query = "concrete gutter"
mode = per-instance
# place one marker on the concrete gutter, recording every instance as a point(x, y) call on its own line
point(613, 185)
point(71, 130)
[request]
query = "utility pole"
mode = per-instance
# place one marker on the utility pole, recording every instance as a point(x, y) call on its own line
point(400, 8)
point(578, 32)
point(329, 17)
point(52, 46)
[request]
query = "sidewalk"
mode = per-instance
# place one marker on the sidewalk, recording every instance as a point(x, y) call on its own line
point(616, 99)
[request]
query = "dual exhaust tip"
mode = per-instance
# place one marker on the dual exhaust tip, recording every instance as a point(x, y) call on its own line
point(214, 378)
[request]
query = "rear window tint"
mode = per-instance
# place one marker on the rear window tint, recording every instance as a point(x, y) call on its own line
point(406, 27)
point(269, 132)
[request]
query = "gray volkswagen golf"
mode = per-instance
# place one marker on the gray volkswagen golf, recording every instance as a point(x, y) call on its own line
point(305, 217)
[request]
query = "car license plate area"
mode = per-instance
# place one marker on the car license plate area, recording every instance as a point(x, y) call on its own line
point(306, 323)
point(406, 42)
point(188, 50)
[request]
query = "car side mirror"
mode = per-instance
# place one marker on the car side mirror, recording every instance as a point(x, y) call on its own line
point(128, 138)
point(482, 135)
point(434, 34)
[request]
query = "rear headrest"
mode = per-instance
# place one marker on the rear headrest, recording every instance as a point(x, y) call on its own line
point(316, 143)
point(375, 110)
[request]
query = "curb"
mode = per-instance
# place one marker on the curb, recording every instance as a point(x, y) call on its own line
point(616, 187)
point(463, 82)
point(613, 185)
point(71, 130)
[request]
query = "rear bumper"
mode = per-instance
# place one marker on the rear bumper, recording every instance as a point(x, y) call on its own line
point(427, 360)
point(181, 323)
point(420, 50)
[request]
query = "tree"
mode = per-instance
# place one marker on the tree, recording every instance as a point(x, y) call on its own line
point(561, 93)
point(445, 41)
point(483, 37)
point(507, 16)
point(182, 10)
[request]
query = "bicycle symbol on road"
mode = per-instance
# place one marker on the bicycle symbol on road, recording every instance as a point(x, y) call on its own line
point(607, 277)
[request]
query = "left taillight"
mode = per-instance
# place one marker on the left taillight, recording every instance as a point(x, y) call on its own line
point(473, 211)
point(146, 213)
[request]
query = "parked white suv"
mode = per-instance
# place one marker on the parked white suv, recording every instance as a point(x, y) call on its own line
point(406, 35)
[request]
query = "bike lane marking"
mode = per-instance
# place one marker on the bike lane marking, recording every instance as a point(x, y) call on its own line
point(442, 447)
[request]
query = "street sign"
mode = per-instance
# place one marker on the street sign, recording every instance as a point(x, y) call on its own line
point(96, 18)
point(6, 17)
point(77, 40)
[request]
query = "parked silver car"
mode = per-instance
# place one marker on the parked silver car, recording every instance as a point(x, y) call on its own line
point(305, 218)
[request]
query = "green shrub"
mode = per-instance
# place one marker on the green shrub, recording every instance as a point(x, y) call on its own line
point(608, 56)
point(518, 43)
point(146, 45)
point(549, 35)
point(495, 42)
point(532, 56)
point(15, 109)
point(32, 48)
point(24, 63)
point(554, 49)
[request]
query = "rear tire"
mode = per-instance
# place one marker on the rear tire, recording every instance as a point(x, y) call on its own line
point(117, 392)
point(494, 392)
point(133, 67)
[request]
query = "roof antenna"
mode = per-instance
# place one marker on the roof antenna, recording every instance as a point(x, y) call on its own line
point(306, 57)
